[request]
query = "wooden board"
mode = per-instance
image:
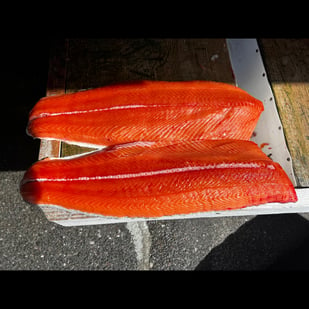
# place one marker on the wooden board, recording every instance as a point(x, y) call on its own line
point(55, 86)
point(81, 64)
point(97, 62)
point(94, 63)
point(287, 66)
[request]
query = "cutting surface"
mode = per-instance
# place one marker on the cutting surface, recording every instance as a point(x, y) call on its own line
point(98, 62)
point(77, 64)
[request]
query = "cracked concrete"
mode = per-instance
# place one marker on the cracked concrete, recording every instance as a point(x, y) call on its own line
point(142, 243)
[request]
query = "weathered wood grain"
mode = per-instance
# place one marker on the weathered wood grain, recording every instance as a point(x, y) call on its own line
point(287, 65)
point(84, 64)
point(90, 63)
point(94, 63)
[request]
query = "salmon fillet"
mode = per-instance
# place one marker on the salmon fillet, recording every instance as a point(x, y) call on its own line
point(147, 110)
point(155, 179)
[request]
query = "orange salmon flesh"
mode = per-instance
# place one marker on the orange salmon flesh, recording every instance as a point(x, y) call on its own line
point(154, 179)
point(147, 110)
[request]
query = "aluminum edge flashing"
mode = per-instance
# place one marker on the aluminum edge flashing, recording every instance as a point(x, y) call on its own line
point(250, 75)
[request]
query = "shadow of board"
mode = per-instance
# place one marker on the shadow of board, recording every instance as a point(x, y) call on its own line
point(23, 79)
point(286, 60)
point(267, 242)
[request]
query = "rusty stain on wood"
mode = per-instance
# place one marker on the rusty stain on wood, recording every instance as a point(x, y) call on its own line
point(49, 149)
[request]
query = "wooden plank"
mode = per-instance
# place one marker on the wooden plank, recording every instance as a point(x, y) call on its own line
point(94, 63)
point(55, 86)
point(287, 66)
point(97, 62)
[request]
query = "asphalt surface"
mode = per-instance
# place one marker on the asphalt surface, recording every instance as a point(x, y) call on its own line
point(28, 241)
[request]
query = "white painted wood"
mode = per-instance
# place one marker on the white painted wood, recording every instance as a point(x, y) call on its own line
point(64, 216)
point(49, 148)
point(250, 75)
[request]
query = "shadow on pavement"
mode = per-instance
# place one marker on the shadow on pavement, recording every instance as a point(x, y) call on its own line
point(267, 242)
point(23, 79)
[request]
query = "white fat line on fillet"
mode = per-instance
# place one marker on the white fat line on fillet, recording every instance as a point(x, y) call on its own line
point(96, 110)
point(160, 172)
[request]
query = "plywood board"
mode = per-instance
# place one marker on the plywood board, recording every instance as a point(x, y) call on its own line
point(83, 64)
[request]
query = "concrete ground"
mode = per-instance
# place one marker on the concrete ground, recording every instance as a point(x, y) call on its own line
point(28, 241)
